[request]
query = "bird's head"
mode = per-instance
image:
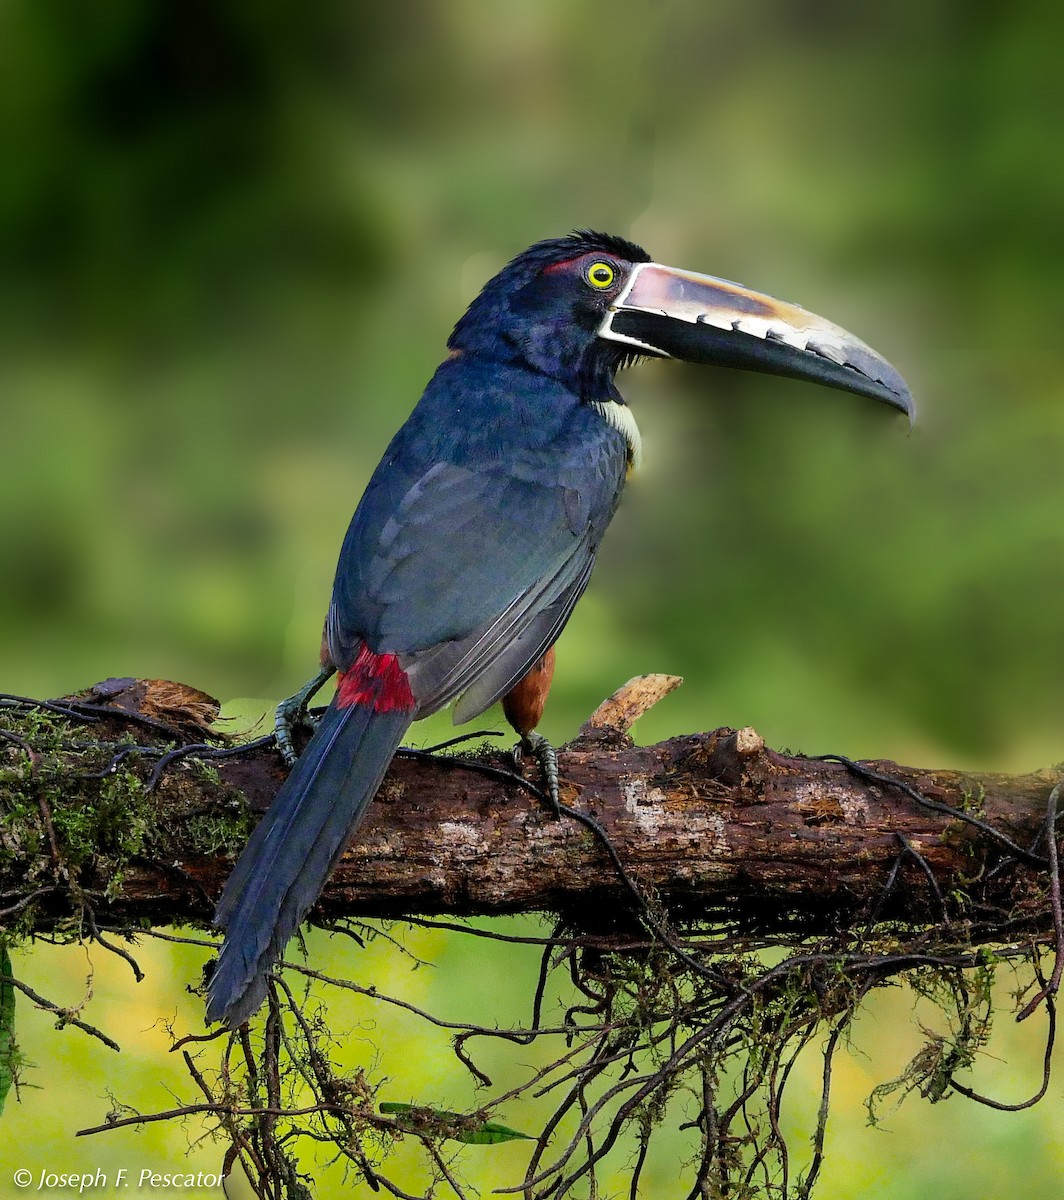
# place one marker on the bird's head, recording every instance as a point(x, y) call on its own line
point(578, 308)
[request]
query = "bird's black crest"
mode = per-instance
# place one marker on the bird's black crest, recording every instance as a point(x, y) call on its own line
point(588, 239)
point(582, 241)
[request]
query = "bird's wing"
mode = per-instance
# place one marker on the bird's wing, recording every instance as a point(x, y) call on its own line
point(518, 658)
point(483, 666)
point(456, 550)
point(470, 571)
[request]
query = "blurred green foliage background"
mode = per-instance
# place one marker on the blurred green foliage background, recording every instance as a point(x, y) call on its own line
point(235, 237)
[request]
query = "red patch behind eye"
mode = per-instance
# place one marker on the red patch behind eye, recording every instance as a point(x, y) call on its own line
point(563, 265)
point(377, 680)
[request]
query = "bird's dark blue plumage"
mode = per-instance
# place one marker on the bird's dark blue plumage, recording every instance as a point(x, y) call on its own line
point(499, 476)
point(474, 539)
point(479, 530)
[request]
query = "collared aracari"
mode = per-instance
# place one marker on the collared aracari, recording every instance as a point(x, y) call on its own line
point(478, 532)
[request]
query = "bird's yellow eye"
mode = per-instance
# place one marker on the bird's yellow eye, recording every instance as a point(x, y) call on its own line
point(600, 275)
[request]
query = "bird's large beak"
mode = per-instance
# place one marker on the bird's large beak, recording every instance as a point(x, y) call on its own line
point(699, 318)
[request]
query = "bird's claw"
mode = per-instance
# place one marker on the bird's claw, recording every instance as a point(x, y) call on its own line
point(536, 746)
point(292, 712)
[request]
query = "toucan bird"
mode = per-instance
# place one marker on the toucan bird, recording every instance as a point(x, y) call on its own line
point(478, 532)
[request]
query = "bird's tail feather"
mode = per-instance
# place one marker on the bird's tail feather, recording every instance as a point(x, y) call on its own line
point(290, 854)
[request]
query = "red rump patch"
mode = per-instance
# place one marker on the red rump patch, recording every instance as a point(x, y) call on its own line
point(378, 680)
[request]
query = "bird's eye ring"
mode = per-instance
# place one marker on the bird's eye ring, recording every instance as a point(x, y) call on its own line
point(600, 275)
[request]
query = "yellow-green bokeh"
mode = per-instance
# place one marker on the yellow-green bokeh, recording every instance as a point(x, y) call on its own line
point(235, 238)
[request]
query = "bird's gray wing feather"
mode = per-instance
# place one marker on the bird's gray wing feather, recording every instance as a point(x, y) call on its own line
point(484, 666)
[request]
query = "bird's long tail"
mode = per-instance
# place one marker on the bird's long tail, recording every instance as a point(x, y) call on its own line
point(290, 854)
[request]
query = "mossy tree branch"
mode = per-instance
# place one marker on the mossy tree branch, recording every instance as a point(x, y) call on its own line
point(710, 824)
point(673, 865)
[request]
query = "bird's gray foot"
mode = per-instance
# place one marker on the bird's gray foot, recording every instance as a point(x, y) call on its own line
point(536, 746)
point(292, 713)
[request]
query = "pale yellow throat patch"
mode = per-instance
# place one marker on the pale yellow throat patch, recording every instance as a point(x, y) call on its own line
point(620, 417)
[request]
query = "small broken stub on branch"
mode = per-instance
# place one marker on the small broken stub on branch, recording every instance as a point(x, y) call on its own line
point(628, 703)
point(748, 742)
point(186, 709)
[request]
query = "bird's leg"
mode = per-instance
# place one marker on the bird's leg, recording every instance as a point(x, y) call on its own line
point(536, 746)
point(523, 706)
point(292, 713)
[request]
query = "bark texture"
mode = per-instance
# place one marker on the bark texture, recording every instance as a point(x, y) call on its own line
point(709, 824)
